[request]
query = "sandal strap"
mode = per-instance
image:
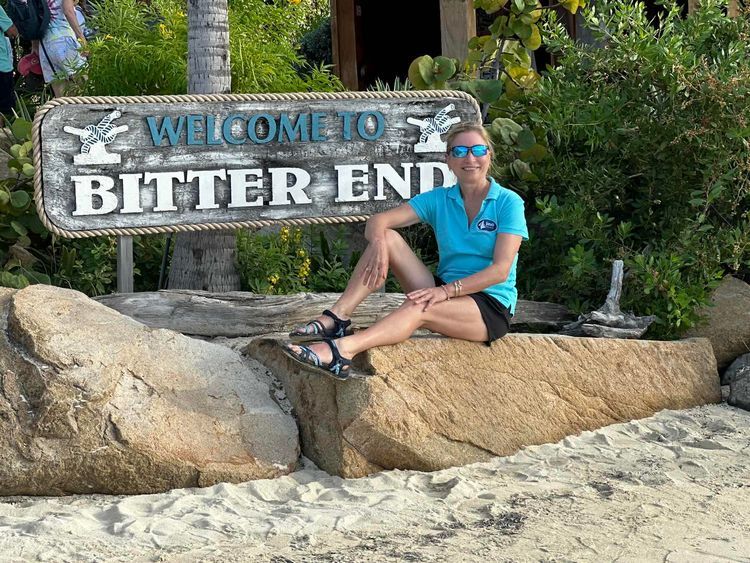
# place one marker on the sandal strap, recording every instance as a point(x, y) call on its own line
point(339, 325)
point(307, 355)
point(338, 365)
point(317, 328)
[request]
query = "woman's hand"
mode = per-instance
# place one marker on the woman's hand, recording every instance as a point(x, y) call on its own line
point(429, 296)
point(376, 268)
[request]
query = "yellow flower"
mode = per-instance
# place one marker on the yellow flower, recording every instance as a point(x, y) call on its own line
point(164, 31)
point(301, 253)
point(304, 269)
point(273, 279)
point(284, 234)
point(295, 1)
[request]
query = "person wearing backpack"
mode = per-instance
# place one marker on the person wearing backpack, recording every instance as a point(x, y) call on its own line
point(52, 27)
point(60, 48)
point(7, 82)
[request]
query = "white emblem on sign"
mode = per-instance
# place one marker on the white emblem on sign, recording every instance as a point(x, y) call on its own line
point(432, 128)
point(95, 138)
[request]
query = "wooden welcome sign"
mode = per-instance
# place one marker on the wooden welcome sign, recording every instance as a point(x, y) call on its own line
point(125, 166)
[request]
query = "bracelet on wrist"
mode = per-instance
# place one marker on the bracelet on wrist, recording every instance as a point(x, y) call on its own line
point(457, 287)
point(447, 293)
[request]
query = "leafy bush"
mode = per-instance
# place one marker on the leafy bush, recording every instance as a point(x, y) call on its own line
point(141, 49)
point(90, 265)
point(316, 46)
point(289, 261)
point(314, 259)
point(649, 136)
point(21, 231)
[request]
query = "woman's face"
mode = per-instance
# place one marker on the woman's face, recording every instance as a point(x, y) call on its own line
point(469, 169)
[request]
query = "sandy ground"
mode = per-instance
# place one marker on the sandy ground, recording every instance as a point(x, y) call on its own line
point(673, 487)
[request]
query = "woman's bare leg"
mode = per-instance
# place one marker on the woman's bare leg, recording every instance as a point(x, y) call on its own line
point(408, 269)
point(458, 318)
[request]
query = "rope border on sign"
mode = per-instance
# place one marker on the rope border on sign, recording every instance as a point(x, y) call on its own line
point(291, 97)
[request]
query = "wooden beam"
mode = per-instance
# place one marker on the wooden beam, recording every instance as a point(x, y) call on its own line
point(238, 313)
point(692, 6)
point(344, 40)
point(458, 24)
point(124, 264)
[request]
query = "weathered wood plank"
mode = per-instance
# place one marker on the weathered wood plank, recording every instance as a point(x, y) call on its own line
point(608, 321)
point(237, 314)
point(344, 42)
point(124, 264)
point(458, 24)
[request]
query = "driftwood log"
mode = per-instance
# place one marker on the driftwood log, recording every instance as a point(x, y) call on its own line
point(236, 314)
point(608, 321)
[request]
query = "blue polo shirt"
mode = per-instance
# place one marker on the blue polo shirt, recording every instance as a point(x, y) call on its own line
point(6, 53)
point(466, 249)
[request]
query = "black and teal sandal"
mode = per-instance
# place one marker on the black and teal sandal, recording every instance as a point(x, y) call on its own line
point(314, 330)
point(338, 368)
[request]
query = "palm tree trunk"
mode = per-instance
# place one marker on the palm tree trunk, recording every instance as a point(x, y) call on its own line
point(206, 260)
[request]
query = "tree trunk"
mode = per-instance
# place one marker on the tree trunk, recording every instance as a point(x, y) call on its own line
point(206, 260)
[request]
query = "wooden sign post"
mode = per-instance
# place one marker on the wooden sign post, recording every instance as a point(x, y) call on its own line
point(130, 166)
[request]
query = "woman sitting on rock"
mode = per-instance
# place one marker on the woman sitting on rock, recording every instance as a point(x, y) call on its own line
point(479, 227)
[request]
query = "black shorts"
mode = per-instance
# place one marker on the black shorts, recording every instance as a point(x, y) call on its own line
point(7, 95)
point(495, 315)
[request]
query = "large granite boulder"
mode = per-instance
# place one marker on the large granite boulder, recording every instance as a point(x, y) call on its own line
point(727, 323)
point(737, 376)
point(435, 402)
point(93, 401)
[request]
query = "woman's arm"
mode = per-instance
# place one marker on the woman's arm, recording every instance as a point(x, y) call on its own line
point(401, 216)
point(376, 267)
point(69, 9)
point(506, 248)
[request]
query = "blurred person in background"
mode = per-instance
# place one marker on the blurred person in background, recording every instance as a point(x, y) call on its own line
point(7, 82)
point(60, 51)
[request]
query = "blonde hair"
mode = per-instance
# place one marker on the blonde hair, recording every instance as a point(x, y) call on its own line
point(469, 127)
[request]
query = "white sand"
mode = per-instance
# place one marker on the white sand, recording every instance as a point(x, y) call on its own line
point(673, 487)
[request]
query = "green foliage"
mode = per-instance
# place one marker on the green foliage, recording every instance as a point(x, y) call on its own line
point(316, 45)
point(499, 62)
point(649, 137)
point(90, 265)
point(290, 262)
point(142, 50)
point(264, 38)
point(21, 232)
point(314, 259)
point(498, 71)
point(138, 49)
point(87, 265)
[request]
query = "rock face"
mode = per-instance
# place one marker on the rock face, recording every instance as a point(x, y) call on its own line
point(93, 401)
point(728, 321)
point(435, 402)
point(738, 377)
point(735, 370)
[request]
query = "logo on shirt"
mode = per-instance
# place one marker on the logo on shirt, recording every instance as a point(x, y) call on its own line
point(487, 225)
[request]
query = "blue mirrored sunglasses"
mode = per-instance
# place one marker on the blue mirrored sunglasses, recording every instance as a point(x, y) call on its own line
point(460, 151)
